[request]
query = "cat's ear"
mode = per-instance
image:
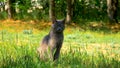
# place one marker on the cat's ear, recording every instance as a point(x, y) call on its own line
point(54, 21)
point(63, 20)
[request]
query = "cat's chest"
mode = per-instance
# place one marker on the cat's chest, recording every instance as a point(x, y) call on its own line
point(54, 41)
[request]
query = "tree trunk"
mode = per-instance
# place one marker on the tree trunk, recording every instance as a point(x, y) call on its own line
point(11, 8)
point(69, 11)
point(112, 6)
point(52, 10)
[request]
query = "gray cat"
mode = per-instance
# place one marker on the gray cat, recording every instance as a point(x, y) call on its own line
point(52, 43)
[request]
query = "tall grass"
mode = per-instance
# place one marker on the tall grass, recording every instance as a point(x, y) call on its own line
point(80, 50)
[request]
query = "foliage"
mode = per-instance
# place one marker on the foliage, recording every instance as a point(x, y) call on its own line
point(89, 9)
point(82, 10)
point(60, 8)
point(22, 6)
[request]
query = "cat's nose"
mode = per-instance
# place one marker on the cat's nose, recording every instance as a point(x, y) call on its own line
point(59, 29)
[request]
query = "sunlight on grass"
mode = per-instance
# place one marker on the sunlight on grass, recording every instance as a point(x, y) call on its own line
point(81, 49)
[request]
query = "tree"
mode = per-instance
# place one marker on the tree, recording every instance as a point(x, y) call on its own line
point(69, 11)
point(112, 6)
point(52, 10)
point(11, 8)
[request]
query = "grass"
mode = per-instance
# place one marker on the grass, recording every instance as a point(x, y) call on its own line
point(81, 49)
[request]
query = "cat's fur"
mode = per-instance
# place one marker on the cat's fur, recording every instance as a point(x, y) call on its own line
point(52, 43)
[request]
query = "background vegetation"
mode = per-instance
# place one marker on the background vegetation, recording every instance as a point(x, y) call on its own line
point(93, 10)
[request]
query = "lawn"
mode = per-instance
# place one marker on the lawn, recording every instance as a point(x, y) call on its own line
point(81, 49)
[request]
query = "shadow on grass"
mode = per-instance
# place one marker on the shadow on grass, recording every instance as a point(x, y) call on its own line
point(96, 26)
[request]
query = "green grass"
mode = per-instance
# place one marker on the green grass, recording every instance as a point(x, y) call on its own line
point(81, 49)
